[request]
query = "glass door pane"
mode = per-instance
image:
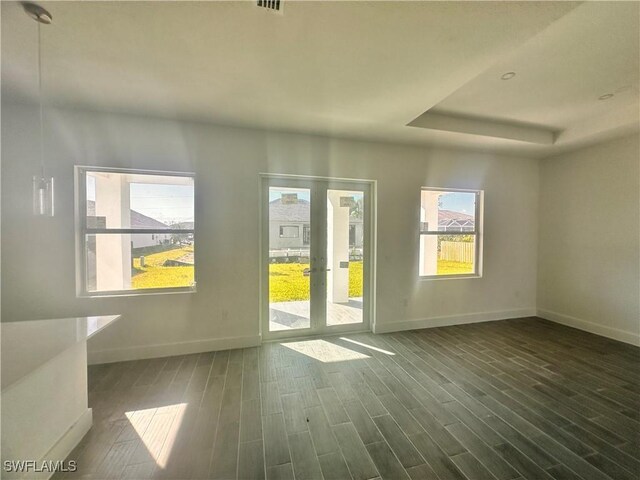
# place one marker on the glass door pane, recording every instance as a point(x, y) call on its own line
point(345, 255)
point(289, 254)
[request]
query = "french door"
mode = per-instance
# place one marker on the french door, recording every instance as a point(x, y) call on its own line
point(316, 243)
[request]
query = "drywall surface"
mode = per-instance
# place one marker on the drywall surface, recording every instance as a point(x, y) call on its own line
point(589, 263)
point(38, 254)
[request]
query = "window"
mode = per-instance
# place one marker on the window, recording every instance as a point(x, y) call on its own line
point(135, 231)
point(289, 231)
point(352, 235)
point(306, 234)
point(450, 233)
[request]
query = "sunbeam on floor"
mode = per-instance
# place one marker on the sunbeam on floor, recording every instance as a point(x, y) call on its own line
point(157, 429)
point(324, 351)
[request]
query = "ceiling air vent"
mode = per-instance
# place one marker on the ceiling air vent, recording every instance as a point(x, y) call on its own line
point(272, 5)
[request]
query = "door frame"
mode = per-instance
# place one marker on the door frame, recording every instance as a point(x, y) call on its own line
point(369, 252)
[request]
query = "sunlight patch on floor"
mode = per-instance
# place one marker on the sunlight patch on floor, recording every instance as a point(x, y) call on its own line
point(158, 429)
point(324, 351)
point(370, 347)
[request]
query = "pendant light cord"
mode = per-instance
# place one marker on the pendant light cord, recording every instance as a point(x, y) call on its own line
point(40, 98)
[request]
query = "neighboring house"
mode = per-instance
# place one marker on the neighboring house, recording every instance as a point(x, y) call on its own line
point(137, 220)
point(187, 237)
point(450, 221)
point(289, 226)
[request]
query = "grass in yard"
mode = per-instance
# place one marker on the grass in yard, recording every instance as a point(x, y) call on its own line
point(355, 279)
point(288, 283)
point(446, 267)
point(155, 275)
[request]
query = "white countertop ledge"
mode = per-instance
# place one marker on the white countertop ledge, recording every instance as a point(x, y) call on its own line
point(28, 345)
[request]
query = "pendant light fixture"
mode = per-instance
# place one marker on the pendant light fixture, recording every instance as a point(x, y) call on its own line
point(43, 197)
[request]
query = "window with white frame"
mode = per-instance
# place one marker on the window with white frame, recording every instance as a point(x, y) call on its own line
point(289, 231)
point(135, 231)
point(450, 232)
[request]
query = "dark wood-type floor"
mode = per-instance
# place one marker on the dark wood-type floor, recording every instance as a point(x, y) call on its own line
point(502, 400)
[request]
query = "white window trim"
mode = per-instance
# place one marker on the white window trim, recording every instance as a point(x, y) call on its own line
point(82, 231)
point(477, 231)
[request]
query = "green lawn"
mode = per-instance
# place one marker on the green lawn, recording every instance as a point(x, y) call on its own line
point(287, 281)
point(446, 267)
point(155, 275)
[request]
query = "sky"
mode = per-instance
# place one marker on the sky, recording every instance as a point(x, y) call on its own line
point(166, 203)
point(174, 203)
point(459, 202)
point(275, 193)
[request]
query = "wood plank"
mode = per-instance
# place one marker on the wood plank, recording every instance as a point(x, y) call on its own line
point(485, 454)
point(251, 460)
point(386, 462)
point(276, 447)
point(321, 433)
point(439, 462)
point(398, 441)
point(512, 399)
point(294, 418)
point(355, 454)
point(334, 467)
point(365, 427)
point(471, 467)
point(332, 406)
point(305, 462)
point(280, 472)
point(224, 463)
point(250, 420)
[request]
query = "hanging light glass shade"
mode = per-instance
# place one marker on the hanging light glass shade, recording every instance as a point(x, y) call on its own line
point(43, 186)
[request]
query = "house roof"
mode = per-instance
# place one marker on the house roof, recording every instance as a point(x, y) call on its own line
point(138, 220)
point(294, 212)
point(448, 217)
point(290, 212)
point(183, 225)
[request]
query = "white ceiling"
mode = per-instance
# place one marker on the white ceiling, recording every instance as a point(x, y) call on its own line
point(354, 69)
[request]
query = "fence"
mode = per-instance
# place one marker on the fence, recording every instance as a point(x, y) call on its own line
point(295, 255)
point(457, 251)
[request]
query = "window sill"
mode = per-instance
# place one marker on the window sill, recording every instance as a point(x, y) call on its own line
point(137, 293)
point(449, 277)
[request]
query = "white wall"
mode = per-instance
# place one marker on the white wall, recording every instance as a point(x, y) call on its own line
point(589, 260)
point(47, 425)
point(38, 256)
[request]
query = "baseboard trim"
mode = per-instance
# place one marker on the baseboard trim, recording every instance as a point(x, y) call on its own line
point(448, 320)
point(602, 330)
point(170, 349)
point(65, 445)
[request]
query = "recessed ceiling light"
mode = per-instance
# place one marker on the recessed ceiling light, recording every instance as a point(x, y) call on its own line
point(508, 76)
point(606, 96)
